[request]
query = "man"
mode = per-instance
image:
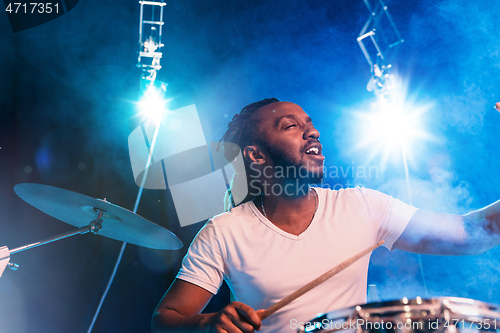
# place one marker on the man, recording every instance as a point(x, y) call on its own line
point(284, 234)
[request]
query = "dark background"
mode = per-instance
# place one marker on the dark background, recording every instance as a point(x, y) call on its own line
point(67, 94)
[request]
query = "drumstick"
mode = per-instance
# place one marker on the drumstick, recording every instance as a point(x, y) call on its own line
point(316, 282)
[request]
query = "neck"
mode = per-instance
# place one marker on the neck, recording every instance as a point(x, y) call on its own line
point(292, 213)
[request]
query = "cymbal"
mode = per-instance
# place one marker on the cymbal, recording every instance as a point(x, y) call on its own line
point(79, 210)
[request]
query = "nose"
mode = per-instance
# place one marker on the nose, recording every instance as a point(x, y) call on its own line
point(311, 133)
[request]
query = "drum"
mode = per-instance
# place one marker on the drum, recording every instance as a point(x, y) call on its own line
point(445, 314)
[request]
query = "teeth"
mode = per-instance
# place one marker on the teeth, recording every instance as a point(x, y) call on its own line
point(313, 150)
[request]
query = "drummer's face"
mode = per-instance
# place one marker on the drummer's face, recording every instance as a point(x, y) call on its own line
point(289, 138)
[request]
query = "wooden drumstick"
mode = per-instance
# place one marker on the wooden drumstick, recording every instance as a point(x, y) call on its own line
point(316, 282)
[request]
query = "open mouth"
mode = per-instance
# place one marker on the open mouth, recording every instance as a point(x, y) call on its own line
point(312, 151)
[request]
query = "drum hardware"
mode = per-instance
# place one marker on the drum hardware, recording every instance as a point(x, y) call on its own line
point(109, 220)
point(4, 260)
point(437, 315)
point(447, 317)
point(373, 296)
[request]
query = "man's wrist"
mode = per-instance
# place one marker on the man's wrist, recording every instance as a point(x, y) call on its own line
point(205, 322)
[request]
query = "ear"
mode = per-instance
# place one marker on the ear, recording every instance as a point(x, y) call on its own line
point(254, 154)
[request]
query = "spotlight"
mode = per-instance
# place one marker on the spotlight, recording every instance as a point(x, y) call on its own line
point(152, 106)
point(392, 125)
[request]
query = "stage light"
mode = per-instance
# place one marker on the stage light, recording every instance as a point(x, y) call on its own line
point(392, 125)
point(153, 105)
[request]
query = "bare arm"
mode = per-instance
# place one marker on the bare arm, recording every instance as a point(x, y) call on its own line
point(180, 308)
point(448, 234)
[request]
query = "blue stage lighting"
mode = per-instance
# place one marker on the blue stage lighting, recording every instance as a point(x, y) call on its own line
point(392, 125)
point(153, 105)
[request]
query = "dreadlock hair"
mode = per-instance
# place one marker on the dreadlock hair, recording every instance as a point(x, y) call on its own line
point(243, 130)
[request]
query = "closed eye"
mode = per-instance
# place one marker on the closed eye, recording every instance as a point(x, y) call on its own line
point(290, 126)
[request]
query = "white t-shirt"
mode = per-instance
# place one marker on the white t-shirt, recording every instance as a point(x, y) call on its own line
point(263, 264)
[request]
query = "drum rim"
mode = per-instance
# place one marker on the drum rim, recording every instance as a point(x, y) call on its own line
point(442, 303)
point(449, 302)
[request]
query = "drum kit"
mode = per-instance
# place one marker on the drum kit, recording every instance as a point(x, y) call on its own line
point(444, 314)
point(98, 216)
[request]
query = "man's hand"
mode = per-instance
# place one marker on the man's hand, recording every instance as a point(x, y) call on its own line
point(235, 318)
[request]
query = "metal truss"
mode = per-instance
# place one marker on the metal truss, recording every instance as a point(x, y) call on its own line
point(150, 33)
point(379, 34)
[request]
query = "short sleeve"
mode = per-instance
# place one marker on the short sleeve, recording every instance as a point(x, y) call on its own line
point(391, 215)
point(203, 264)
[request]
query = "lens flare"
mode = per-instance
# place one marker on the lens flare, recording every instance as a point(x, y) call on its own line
point(392, 125)
point(153, 105)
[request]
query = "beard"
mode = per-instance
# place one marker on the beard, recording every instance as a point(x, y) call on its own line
point(298, 172)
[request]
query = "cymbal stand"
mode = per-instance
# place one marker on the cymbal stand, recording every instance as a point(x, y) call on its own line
point(5, 253)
